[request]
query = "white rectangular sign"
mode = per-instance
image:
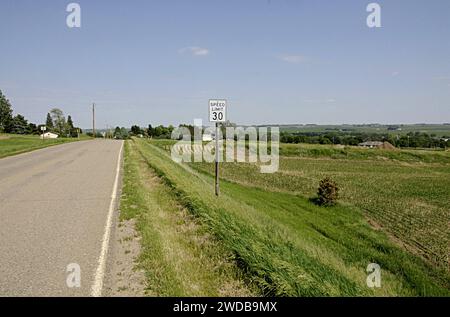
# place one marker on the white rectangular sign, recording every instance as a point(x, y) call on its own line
point(217, 110)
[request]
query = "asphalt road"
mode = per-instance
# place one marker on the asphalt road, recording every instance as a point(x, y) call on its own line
point(55, 204)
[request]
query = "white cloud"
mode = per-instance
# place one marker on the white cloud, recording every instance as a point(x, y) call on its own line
point(395, 73)
point(194, 51)
point(294, 59)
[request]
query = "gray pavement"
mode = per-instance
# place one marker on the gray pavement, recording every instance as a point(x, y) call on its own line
point(54, 204)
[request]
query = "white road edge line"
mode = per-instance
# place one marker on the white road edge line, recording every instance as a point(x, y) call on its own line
point(96, 290)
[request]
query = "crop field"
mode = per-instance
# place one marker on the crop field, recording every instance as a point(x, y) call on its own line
point(283, 244)
point(11, 144)
point(437, 129)
point(405, 193)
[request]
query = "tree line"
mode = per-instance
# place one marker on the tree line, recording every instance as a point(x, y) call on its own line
point(161, 131)
point(158, 132)
point(55, 122)
point(411, 139)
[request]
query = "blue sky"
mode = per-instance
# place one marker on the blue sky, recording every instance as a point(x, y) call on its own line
point(276, 61)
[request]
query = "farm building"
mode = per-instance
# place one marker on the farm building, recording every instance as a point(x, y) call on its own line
point(371, 144)
point(377, 144)
point(49, 135)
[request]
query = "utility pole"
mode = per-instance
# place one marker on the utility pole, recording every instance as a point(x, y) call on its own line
point(93, 120)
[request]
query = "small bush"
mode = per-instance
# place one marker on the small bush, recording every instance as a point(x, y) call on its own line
point(328, 192)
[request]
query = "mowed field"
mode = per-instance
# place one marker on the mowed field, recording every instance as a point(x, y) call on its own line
point(275, 241)
point(11, 144)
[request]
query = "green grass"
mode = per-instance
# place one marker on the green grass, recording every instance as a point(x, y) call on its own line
point(179, 256)
point(288, 246)
point(356, 153)
point(405, 192)
point(11, 144)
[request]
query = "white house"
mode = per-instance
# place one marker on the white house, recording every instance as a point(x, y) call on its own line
point(371, 144)
point(49, 135)
point(207, 137)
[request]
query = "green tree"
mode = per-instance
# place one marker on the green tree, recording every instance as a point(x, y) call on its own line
point(59, 121)
point(49, 122)
point(120, 133)
point(136, 130)
point(150, 131)
point(32, 128)
point(158, 131)
point(69, 122)
point(124, 133)
point(5, 113)
point(71, 130)
point(19, 125)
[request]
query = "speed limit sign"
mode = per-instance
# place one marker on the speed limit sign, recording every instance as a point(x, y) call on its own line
point(217, 110)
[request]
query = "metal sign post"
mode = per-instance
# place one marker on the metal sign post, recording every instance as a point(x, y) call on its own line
point(217, 189)
point(43, 133)
point(217, 114)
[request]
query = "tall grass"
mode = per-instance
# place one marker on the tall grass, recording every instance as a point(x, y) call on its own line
point(178, 255)
point(290, 247)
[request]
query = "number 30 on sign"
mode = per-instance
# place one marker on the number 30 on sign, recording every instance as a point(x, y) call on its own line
point(217, 110)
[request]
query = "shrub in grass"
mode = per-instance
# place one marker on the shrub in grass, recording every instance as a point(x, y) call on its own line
point(328, 192)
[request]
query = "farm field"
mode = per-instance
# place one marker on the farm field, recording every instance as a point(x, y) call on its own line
point(11, 144)
point(404, 193)
point(278, 239)
point(437, 129)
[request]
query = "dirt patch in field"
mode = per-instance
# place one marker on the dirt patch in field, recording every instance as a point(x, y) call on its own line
point(375, 225)
point(394, 239)
point(387, 146)
point(4, 137)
